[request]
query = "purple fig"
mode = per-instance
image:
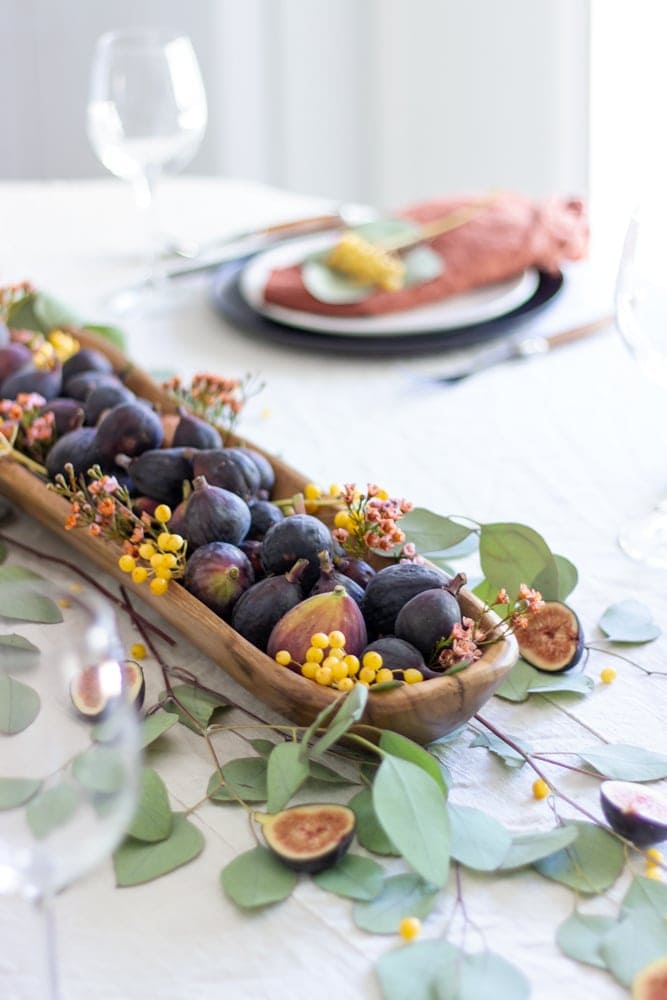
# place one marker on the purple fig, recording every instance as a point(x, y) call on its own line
point(103, 397)
point(161, 472)
point(217, 574)
point(13, 357)
point(46, 381)
point(330, 578)
point(332, 612)
point(427, 618)
point(263, 515)
point(128, 429)
point(264, 604)
point(253, 550)
point(300, 536)
point(87, 359)
point(357, 569)
point(80, 386)
point(214, 515)
point(67, 414)
point(399, 655)
point(228, 468)
point(267, 476)
point(193, 432)
point(76, 447)
point(393, 587)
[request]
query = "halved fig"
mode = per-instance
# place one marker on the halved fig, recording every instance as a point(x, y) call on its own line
point(95, 688)
point(310, 838)
point(650, 983)
point(552, 640)
point(636, 812)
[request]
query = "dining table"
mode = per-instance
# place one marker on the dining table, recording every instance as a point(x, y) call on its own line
point(567, 441)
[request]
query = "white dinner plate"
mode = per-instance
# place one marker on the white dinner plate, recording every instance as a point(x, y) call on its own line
point(454, 312)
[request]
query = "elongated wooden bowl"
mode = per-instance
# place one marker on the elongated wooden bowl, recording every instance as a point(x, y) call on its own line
point(422, 712)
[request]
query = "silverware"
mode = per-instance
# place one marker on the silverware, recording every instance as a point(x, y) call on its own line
point(509, 350)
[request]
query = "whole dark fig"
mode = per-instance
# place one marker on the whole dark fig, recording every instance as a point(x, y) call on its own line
point(104, 397)
point(80, 386)
point(427, 618)
point(263, 515)
point(332, 612)
point(67, 414)
point(300, 536)
point(128, 429)
point(253, 550)
point(217, 574)
point(13, 357)
point(330, 578)
point(77, 447)
point(399, 656)
point(214, 515)
point(267, 476)
point(87, 359)
point(393, 587)
point(193, 432)
point(228, 468)
point(161, 472)
point(46, 381)
point(177, 519)
point(357, 569)
point(264, 604)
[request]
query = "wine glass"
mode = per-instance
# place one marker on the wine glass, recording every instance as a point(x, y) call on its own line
point(69, 748)
point(146, 114)
point(641, 318)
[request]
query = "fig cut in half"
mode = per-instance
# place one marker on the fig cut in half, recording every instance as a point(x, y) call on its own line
point(650, 983)
point(552, 640)
point(95, 688)
point(310, 838)
point(639, 814)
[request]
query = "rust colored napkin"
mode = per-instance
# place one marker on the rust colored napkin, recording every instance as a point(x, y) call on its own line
point(510, 234)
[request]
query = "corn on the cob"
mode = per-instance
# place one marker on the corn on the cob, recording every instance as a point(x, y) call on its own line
point(366, 263)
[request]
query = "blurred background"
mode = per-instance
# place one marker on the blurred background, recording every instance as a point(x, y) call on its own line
point(380, 101)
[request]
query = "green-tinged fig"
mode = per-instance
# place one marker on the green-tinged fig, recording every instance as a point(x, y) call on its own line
point(552, 640)
point(45, 381)
point(310, 838)
point(77, 447)
point(393, 587)
point(128, 429)
point(13, 357)
point(80, 386)
point(87, 359)
point(267, 476)
point(217, 574)
point(300, 536)
point(228, 468)
point(330, 577)
point(650, 983)
point(635, 811)
point(332, 612)
point(258, 610)
point(160, 473)
point(427, 618)
point(214, 515)
point(193, 432)
point(67, 414)
point(104, 397)
point(263, 515)
point(94, 689)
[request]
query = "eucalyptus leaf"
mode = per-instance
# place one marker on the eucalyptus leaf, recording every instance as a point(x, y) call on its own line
point(100, 769)
point(645, 894)
point(257, 878)
point(52, 808)
point(478, 841)
point(286, 773)
point(113, 334)
point(319, 722)
point(591, 864)
point(412, 810)
point(422, 263)
point(52, 314)
point(493, 743)
point(21, 314)
point(401, 896)
point(526, 848)
point(16, 792)
point(627, 763)
point(19, 705)
point(199, 704)
point(629, 621)
point(524, 680)
point(633, 943)
point(516, 685)
point(512, 554)
point(153, 819)
point(15, 643)
point(353, 877)
point(136, 861)
point(245, 776)
point(350, 711)
point(155, 725)
point(580, 936)
point(368, 830)
point(432, 532)
point(262, 747)
point(400, 746)
point(487, 976)
point(320, 772)
point(22, 602)
point(425, 970)
point(568, 577)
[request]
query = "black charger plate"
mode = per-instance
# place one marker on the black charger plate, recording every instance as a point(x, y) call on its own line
point(230, 304)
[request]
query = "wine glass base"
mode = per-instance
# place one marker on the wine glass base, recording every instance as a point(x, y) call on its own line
point(645, 539)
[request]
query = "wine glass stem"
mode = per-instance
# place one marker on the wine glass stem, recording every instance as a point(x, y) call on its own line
point(47, 916)
point(144, 193)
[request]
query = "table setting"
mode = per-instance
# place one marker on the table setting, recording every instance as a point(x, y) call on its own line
point(443, 774)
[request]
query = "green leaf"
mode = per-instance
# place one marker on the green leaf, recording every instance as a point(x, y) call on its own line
point(512, 554)
point(478, 840)
point(287, 771)
point(52, 314)
point(627, 763)
point(136, 861)
point(645, 894)
point(246, 776)
point(113, 334)
point(153, 819)
point(526, 848)
point(412, 810)
point(432, 532)
point(100, 769)
point(629, 621)
point(401, 746)
point(633, 943)
point(353, 877)
point(580, 936)
point(486, 976)
point(262, 747)
point(19, 705)
point(369, 832)
point(257, 878)
point(17, 791)
point(200, 704)
point(17, 644)
point(590, 865)
point(524, 680)
point(350, 711)
point(426, 970)
point(21, 314)
point(401, 896)
point(422, 263)
point(52, 808)
point(493, 743)
point(154, 726)
point(320, 772)
point(20, 601)
point(568, 577)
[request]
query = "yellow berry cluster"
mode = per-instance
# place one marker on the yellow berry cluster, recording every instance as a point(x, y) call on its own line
point(654, 863)
point(162, 558)
point(314, 497)
point(328, 664)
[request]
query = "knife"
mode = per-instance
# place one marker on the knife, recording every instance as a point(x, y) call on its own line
point(510, 350)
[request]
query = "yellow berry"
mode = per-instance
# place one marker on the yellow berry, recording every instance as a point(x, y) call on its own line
point(162, 513)
point(156, 560)
point(654, 855)
point(310, 507)
point(163, 540)
point(283, 657)
point(320, 640)
point(654, 872)
point(159, 586)
point(138, 651)
point(163, 573)
point(139, 574)
point(312, 491)
point(64, 602)
point(384, 675)
point(169, 560)
point(342, 519)
point(336, 639)
point(127, 563)
point(352, 664)
point(608, 675)
point(372, 660)
point(412, 676)
point(410, 928)
point(309, 669)
point(175, 543)
point(330, 662)
point(345, 684)
point(540, 789)
point(324, 676)
point(146, 550)
point(335, 490)
point(382, 495)
point(314, 655)
point(339, 669)
point(367, 675)
point(336, 653)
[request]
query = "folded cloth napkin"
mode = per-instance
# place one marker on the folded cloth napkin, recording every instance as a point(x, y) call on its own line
point(509, 234)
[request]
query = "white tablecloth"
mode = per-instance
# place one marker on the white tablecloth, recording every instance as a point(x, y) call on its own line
point(570, 444)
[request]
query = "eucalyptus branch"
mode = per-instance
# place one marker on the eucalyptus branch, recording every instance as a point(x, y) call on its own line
point(590, 647)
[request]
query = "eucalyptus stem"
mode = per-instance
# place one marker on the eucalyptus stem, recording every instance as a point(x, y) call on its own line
point(626, 659)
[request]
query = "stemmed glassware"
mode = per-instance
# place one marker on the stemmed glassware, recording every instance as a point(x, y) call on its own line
point(147, 113)
point(641, 318)
point(69, 749)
